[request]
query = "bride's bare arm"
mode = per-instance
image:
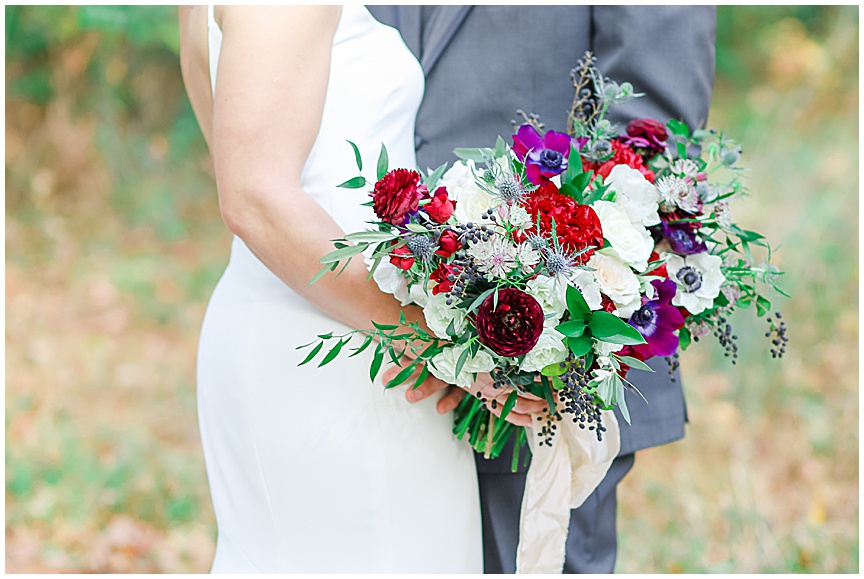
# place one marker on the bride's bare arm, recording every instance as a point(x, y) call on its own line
point(273, 72)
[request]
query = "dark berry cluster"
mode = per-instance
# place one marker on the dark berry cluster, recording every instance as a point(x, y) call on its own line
point(723, 333)
point(777, 331)
point(575, 398)
point(674, 364)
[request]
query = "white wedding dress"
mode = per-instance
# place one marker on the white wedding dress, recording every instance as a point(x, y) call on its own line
point(318, 469)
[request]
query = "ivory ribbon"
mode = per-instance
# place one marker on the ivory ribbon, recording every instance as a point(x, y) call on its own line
point(560, 478)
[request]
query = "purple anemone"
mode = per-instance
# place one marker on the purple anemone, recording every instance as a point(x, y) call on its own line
point(657, 321)
point(544, 157)
point(682, 239)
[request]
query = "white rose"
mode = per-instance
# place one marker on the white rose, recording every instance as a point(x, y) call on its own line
point(551, 294)
point(585, 282)
point(550, 349)
point(472, 201)
point(617, 281)
point(631, 242)
point(443, 366)
point(634, 195)
point(390, 280)
point(698, 277)
point(439, 315)
point(418, 295)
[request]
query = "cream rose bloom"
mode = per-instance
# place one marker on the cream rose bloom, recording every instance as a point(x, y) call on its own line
point(439, 315)
point(471, 201)
point(391, 280)
point(617, 281)
point(443, 366)
point(551, 294)
point(634, 195)
point(631, 242)
point(550, 349)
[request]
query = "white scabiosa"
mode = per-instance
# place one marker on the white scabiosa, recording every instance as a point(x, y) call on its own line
point(631, 241)
point(634, 195)
point(698, 277)
point(550, 349)
point(443, 365)
point(617, 281)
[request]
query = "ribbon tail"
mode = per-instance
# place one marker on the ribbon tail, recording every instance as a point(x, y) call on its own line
point(560, 478)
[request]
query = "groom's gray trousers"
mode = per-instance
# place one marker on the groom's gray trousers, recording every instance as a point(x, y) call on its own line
point(482, 63)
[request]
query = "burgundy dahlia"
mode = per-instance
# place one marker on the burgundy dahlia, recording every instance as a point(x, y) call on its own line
point(647, 136)
point(397, 195)
point(514, 327)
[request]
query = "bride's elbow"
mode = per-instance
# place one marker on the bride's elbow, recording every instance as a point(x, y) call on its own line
point(242, 210)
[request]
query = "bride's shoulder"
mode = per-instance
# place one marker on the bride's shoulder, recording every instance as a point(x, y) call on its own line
point(256, 19)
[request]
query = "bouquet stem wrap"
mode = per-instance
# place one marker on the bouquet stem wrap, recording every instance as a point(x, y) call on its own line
point(559, 479)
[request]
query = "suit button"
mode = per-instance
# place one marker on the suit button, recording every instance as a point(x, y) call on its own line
point(418, 141)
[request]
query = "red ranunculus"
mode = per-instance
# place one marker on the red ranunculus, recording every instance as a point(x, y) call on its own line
point(607, 304)
point(402, 258)
point(514, 327)
point(647, 137)
point(577, 226)
point(440, 208)
point(448, 244)
point(397, 195)
point(440, 276)
point(624, 155)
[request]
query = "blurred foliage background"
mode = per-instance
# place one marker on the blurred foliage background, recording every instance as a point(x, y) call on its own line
point(114, 243)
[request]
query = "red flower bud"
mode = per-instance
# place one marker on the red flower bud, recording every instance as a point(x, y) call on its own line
point(440, 208)
point(440, 275)
point(402, 258)
point(448, 244)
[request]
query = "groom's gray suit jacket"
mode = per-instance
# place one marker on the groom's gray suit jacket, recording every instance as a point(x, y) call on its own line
point(484, 62)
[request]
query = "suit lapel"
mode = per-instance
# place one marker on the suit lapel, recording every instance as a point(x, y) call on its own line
point(438, 35)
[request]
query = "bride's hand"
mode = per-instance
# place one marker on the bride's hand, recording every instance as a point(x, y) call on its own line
point(526, 404)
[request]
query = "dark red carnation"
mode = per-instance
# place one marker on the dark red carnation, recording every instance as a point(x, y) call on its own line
point(514, 327)
point(607, 304)
point(440, 275)
point(624, 155)
point(448, 244)
point(402, 258)
point(440, 208)
point(577, 226)
point(397, 195)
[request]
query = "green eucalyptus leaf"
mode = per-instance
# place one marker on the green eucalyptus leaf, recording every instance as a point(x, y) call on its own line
point(463, 357)
point(553, 370)
point(366, 341)
point(344, 253)
point(473, 154)
point(576, 304)
point(763, 306)
point(574, 165)
point(383, 162)
point(357, 156)
point(635, 363)
point(312, 354)
point(353, 183)
point(508, 405)
point(610, 328)
point(676, 127)
point(572, 329)
point(424, 373)
point(684, 338)
point(580, 346)
point(334, 351)
point(371, 236)
point(403, 375)
point(377, 360)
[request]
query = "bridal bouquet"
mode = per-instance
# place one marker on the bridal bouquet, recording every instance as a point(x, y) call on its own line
point(558, 262)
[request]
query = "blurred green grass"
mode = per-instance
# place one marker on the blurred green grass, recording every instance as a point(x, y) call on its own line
point(114, 243)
